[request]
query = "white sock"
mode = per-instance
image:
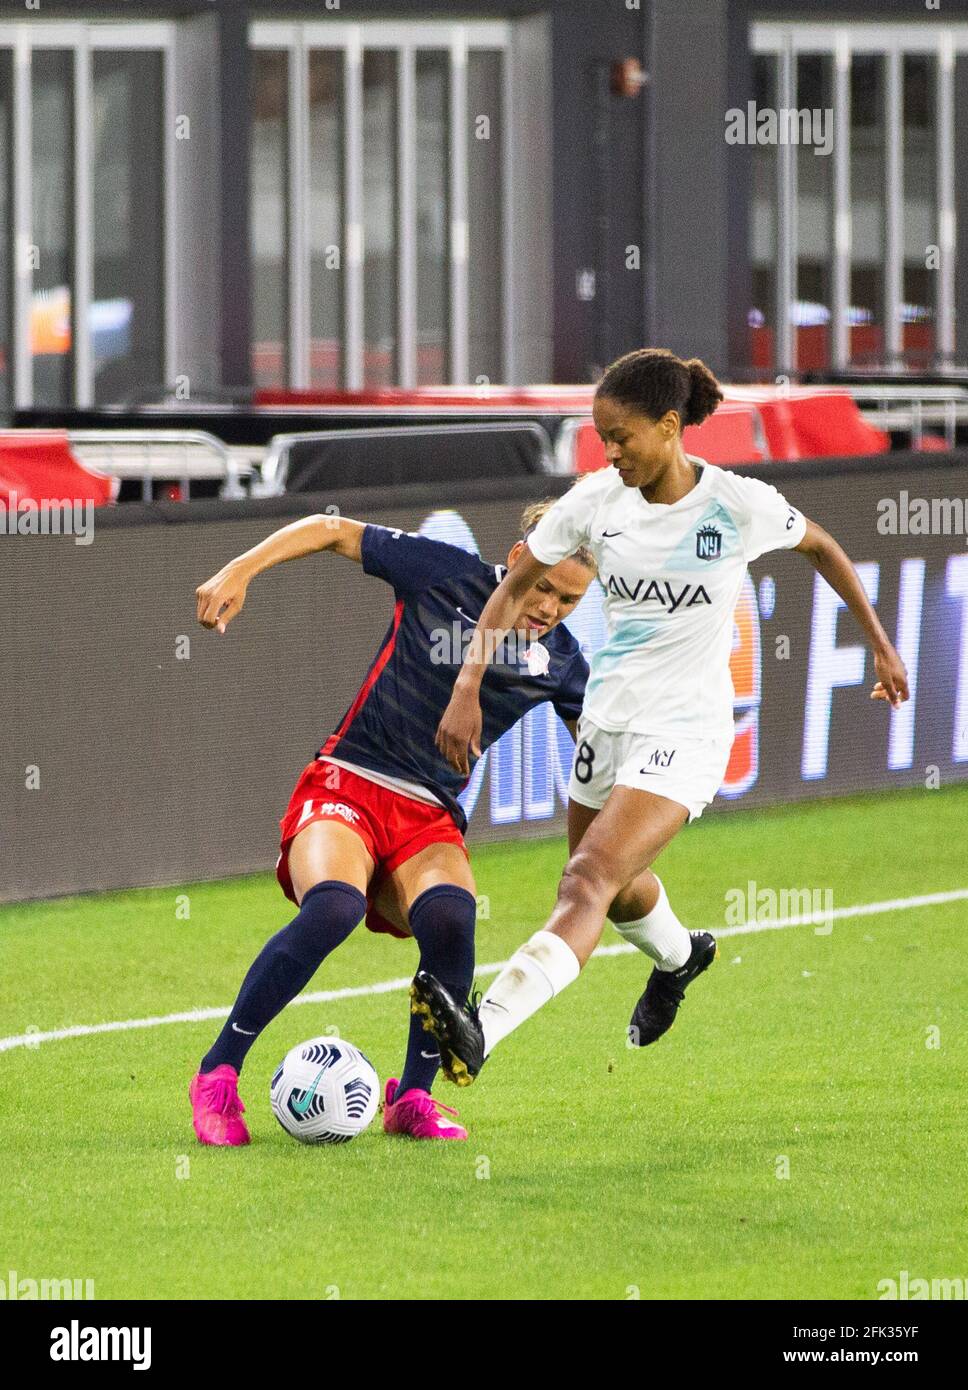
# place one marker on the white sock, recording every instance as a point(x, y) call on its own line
point(659, 934)
point(537, 971)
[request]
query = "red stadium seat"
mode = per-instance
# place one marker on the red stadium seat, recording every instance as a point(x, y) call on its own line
point(728, 436)
point(831, 426)
point(754, 424)
point(37, 466)
point(931, 444)
point(818, 424)
point(589, 451)
point(554, 400)
point(781, 439)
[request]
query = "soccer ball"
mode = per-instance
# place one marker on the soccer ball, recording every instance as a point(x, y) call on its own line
point(324, 1091)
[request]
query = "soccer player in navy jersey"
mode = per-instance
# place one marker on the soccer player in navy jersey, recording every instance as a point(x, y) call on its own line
point(374, 828)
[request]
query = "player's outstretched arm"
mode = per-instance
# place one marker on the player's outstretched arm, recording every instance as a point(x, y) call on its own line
point(833, 563)
point(220, 598)
point(460, 727)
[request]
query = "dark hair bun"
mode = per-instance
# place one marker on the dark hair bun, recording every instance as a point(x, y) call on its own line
point(705, 394)
point(654, 381)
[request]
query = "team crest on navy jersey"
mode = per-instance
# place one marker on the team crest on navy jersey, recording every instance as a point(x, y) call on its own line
point(709, 543)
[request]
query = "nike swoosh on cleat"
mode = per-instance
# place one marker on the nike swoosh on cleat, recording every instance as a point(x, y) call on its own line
point(237, 1029)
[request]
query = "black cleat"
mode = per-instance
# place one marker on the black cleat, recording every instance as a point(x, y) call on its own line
point(656, 1011)
point(455, 1026)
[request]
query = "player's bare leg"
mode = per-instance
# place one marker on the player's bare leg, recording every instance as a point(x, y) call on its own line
point(324, 850)
point(638, 897)
point(386, 900)
point(330, 868)
point(434, 866)
point(629, 832)
point(642, 914)
point(436, 891)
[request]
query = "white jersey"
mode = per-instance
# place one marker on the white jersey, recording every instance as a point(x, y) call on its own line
point(672, 574)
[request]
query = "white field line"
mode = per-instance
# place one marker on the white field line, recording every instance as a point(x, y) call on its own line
point(327, 996)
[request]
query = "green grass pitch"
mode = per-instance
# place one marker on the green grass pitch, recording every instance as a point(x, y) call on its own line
point(592, 1171)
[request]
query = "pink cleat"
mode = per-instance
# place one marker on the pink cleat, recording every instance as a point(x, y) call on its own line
point(418, 1115)
point(216, 1107)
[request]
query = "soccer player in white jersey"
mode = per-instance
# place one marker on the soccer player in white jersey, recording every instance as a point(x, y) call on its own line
point(672, 538)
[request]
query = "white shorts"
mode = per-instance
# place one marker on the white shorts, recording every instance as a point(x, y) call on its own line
point(687, 770)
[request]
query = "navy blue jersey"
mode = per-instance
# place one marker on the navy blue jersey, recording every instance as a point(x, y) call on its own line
point(441, 591)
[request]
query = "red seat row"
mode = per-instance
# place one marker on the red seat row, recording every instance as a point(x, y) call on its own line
point(728, 436)
point(38, 466)
point(555, 400)
point(815, 425)
point(818, 425)
point(752, 424)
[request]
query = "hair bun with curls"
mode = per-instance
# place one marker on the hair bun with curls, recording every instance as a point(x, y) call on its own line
point(705, 395)
point(653, 381)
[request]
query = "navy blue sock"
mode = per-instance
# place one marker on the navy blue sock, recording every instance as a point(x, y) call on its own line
point(287, 962)
point(442, 922)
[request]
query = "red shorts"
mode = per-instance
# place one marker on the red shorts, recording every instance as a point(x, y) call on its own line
point(393, 827)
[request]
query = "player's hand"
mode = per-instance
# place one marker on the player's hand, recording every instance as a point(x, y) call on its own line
point(892, 682)
point(460, 729)
point(220, 598)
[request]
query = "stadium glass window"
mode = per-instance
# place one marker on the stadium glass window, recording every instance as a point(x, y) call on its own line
point(125, 317)
point(380, 217)
point(270, 232)
point(763, 231)
point(867, 209)
point(52, 225)
point(432, 215)
point(920, 210)
point(84, 220)
point(865, 246)
point(6, 237)
point(486, 213)
point(326, 156)
point(380, 227)
point(814, 215)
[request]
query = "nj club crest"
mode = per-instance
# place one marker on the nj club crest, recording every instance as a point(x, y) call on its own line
point(709, 543)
